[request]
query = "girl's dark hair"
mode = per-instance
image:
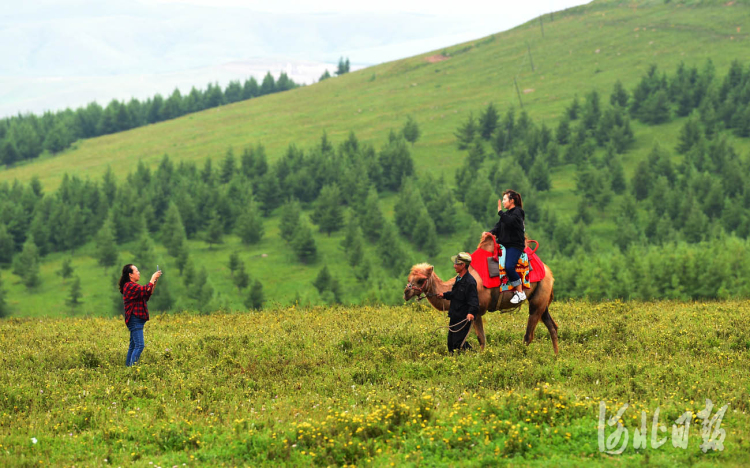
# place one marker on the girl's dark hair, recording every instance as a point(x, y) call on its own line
point(515, 196)
point(126, 271)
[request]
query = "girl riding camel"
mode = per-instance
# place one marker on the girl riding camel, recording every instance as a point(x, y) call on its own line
point(510, 232)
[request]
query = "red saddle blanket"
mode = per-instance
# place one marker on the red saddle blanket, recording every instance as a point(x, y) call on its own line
point(531, 271)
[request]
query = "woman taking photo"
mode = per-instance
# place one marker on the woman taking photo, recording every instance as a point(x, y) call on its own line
point(134, 297)
point(510, 232)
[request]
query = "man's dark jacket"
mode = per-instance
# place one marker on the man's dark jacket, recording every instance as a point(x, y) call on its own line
point(463, 297)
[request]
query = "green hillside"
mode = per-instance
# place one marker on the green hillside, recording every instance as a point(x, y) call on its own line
point(584, 49)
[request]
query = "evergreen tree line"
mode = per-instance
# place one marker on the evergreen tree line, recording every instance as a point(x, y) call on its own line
point(174, 203)
point(25, 137)
point(342, 68)
point(700, 200)
point(657, 98)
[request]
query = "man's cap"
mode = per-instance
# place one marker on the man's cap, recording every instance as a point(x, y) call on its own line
point(464, 257)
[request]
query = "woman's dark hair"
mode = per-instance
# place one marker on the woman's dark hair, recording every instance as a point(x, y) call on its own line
point(126, 271)
point(515, 196)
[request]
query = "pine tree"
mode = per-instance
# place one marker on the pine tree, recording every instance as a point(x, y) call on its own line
point(655, 109)
point(619, 96)
point(234, 262)
point(241, 277)
point(269, 192)
point(362, 270)
point(643, 180)
point(397, 163)
point(4, 311)
point(173, 231)
point(228, 167)
point(583, 214)
point(488, 121)
point(438, 199)
point(481, 201)
point(26, 264)
point(250, 89)
point(233, 92)
point(289, 220)
point(467, 132)
point(329, 213)
point(7, 246)
point(303, 243)
point(39, 230)
point(563, 132)
point(268, 85)
point(370, 217)
point(424, 234)
point(690, 135)
point(539, 176)
point(343, 66)
point(617, 176)
point(476, 156)
point(351, 230)
point(162, 300)
point(356, 251)
point(144, 256)
point(106, 248)
point(249, 225)
point(66, 269)
point(409, 201)
point(182, 257)
point(188, 278)
point(322, 282)
point(255, 296)
point(592, 111)
point(324, 76)
point(328, 286)
point(573, 110)
point(411, 130)
point(75, 292)
point(201, 291)
point(392, 254)
point(215, 231)
point(58, 138)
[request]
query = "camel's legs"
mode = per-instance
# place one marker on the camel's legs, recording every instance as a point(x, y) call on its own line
point(534, 316)
point(479, 328)
point(551, 326)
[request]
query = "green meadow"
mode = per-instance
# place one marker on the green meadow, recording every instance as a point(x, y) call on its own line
point(374, 386)
point(583, 48)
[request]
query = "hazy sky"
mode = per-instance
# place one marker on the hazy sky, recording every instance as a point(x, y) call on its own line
point(60, 53)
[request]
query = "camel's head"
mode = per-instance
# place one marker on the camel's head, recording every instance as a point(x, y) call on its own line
point(419, 280)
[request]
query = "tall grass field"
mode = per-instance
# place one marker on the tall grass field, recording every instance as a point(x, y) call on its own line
point(375, 386)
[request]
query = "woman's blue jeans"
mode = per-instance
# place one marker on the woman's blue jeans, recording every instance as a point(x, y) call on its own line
point(137, 343)
point(511, 260)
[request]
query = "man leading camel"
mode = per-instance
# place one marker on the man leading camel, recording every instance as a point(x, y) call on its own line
point(464, 303)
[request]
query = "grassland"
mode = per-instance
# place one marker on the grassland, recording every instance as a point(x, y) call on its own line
point(585, 48)
point(371, 386)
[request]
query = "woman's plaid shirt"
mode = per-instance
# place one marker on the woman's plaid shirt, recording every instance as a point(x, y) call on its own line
point(135, 296)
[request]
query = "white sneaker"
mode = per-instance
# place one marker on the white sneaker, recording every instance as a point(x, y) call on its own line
point(518, 297)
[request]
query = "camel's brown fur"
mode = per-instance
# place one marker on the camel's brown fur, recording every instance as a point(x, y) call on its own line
point(539, 296)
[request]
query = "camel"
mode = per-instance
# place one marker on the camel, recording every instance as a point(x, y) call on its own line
point(423, 280)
